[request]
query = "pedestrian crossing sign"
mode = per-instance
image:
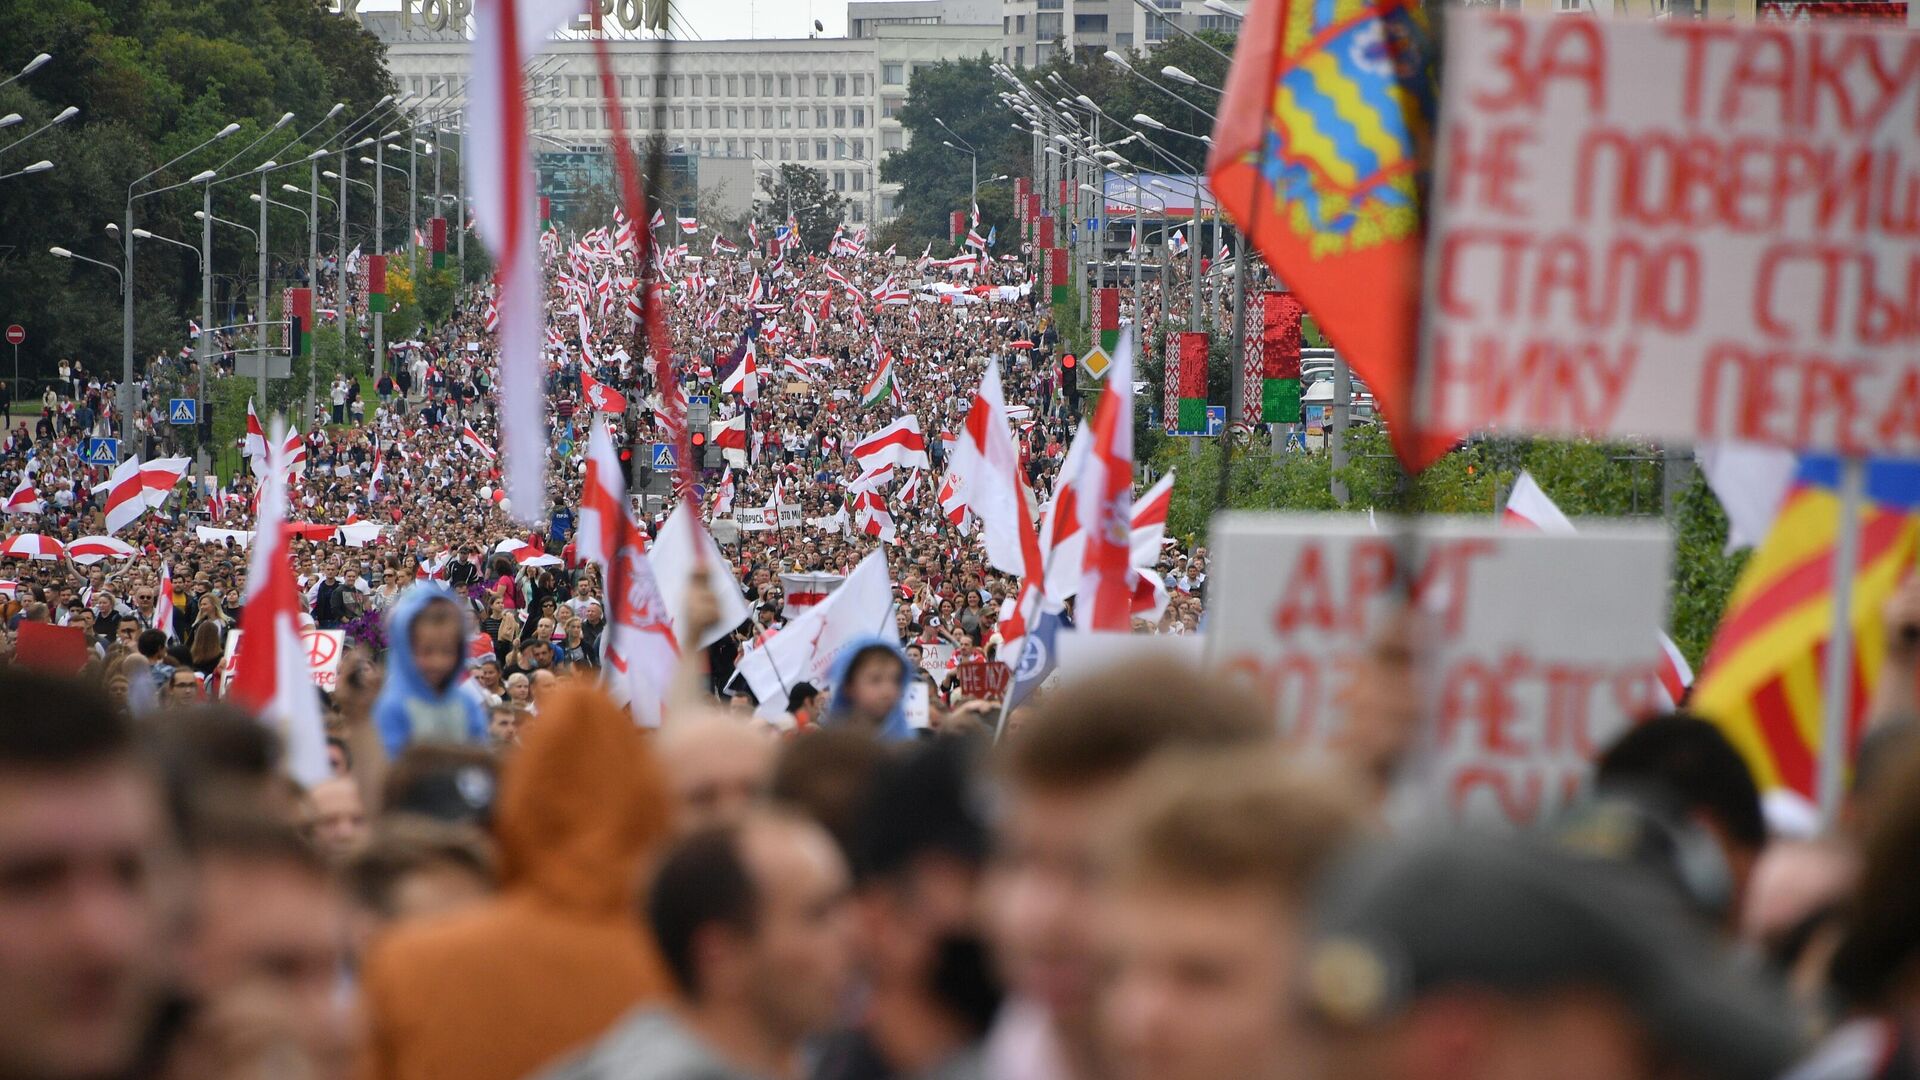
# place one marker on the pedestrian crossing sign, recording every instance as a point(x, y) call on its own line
point(183, 410)
point(663, 457)
point(101, 452)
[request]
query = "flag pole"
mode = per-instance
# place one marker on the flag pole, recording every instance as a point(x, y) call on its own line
point(1836, 693)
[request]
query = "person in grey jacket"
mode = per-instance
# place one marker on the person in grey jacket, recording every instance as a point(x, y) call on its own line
point(754, 921)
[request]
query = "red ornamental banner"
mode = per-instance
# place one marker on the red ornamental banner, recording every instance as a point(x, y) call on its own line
point(1193, 364)
point(437, 235)
point(956, 224)
point(1106, 308)
point(1022, 189)
point(377, 283)
point(1057, 273)
point(1046, 230)
point(1066, 194)
point(1253, 363)
point(1033, 206)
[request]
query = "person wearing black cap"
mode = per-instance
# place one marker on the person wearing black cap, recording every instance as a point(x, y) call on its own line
point(1475, 958)
point(919, 842)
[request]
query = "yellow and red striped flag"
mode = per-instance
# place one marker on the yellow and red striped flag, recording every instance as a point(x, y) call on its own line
point(1763, 677)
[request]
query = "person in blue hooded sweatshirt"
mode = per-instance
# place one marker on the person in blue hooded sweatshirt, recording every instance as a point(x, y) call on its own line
point(422, 700)
point(870, 689)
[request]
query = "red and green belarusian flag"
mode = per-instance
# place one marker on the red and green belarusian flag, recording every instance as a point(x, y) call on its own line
point(377, 283)
point(546, 214)
point(1280, 364)
point(880, 387)
point(299, 307)
point(1193, 381)
point(437, 237)
point(1106, 318)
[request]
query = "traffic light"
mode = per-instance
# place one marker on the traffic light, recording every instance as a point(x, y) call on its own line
point(1067, 361)
point(699, 439)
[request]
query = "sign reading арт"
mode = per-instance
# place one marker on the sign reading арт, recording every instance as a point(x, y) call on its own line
point(1679, 229)
point(1540, 647)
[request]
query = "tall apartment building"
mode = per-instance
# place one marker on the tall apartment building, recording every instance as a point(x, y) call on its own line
point(1033, 31)
point(826, 103)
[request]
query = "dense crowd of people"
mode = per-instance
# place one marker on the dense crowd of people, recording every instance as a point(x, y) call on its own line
point(501, 875)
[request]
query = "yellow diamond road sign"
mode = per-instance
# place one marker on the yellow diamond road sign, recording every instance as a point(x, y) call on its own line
point(1097, 362)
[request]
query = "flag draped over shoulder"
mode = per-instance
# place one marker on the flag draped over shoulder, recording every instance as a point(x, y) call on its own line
point(1321, 154)
point(1763, 677)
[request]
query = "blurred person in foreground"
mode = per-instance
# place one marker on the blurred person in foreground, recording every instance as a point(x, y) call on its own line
point(1213, 862)
point(752, 919)
point(1471, 957)
point(1063, 781)
point(510, 985)
point(258, 989)
point(1876, 968)
point(927, 996)
point(83, 845)
point(718, 766)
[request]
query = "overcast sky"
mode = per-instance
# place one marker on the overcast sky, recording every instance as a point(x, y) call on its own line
point(732, 18)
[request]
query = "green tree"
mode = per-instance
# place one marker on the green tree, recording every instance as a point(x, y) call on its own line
point(950, 105)
point(817, 208)
point(151, 79)
point(1123, 92)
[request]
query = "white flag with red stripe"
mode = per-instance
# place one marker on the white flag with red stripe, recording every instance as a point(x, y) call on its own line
point(985, 472)
point(272, 678)
point(1529, 507)
point(293, 455)
point(126, 496)
point(899, 443)
point(745, 379)
point(639, 649)
point(682, 545)
point(25, 499)
point(723, 494)
point(163, 601)
point(507, 34)
point(471, 440)
point(804, 590)
point(1104, 491)
point(255, 448)
point(160, 476)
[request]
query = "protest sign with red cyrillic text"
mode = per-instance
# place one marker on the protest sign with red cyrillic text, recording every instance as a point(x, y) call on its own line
point(1537, 652)
point(1683, 229)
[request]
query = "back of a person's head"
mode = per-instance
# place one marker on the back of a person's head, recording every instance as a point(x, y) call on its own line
point(823, 774)
point(450, 782)
point(1883, 924)
point(1231, 818)
point(50, 723)
point(701, 880)
point(152, 643)
point(405, 844)
point(1102, 726)
point(1688, 761)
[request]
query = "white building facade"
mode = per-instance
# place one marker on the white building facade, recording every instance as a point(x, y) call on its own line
point(817, 102)
point(1034, 31)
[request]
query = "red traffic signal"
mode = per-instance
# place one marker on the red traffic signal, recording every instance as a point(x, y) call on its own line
point(1067, 361)
point(626, 454)
point(699, 438)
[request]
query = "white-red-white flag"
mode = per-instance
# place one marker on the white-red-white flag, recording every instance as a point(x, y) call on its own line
point(639, 650)
point(1529, 507)
point(1062, 545)
point(272, 678)
point(507, 34)
point(255, 448)
point(805, 649)
point(160, 476)
point(293, 457)
point(803, 590)
point(899, 443)
point(163, 601)
point(985, 471)
point(471, 440)
point(731, 437)
point(723, 494)
point(25, 499)
point(1104, 491)
point(745, 379)
point(126, 496)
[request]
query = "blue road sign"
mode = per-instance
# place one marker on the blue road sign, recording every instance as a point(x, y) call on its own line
point(663, 459)
point(183, 410)
point(101, 452)
point(700, 399)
